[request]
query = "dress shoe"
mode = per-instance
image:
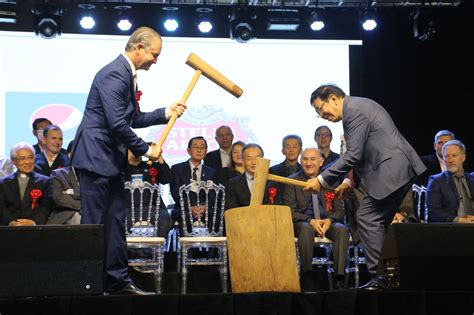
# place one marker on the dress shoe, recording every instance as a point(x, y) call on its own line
point(131, 289)
point(376, 284)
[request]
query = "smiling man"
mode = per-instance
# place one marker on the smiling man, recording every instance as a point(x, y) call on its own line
point(101, 143)
point(382, 158)
point(52, 156)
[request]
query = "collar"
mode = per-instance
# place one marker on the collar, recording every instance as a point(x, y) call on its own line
point(191, 165)
point(248, 176)
point(134, 71)
point(224, 151)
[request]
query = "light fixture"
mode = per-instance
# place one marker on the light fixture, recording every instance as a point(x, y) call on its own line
point(205, 26)
point(242, 25)
point(283, 19)
point(7, 13)
point(124, 22)
point(47, 21)
point(171, 24)
point(315, 21)
point(205, 23)
point(424, 29)
point(368, 21)
point(87, 22)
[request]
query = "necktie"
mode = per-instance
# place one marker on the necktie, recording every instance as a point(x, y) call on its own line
point(135, 82)
point(317, 213)
point(465, 202)
point(194, 173)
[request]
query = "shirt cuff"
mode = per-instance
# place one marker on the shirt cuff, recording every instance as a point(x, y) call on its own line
point(168, 113)
point(348, 182)
point(148, 153)
point(322, 182)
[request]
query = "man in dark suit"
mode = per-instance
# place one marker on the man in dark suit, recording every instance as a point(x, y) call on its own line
point(52, 157)
point(434, 162)
point(449, 195)
point(100, 150)
point(291, 149)
point(238, 190)
point(38, 125)
point(320, 220)
point(381, 157)
point(221, 157)
point(66, 195)
point(191, 170)
point(24, 195)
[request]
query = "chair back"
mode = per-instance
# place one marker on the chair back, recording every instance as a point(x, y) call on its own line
point(142, 217)
point(202, 208)
point(419, 192)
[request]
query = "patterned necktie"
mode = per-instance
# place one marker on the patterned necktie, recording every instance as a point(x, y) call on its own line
point(195, 174)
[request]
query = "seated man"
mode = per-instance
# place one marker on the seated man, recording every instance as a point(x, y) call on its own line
point(322, 219)
point(221, 157)
point(238, 189)
point(186, 172)
point(39, 124)
point(291, 149)
point(157, 172)
point(65, 194)
point(24, 198)
point(52, 157)
point(449, 194)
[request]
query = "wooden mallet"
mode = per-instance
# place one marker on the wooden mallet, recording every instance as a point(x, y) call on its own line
point(212, 74)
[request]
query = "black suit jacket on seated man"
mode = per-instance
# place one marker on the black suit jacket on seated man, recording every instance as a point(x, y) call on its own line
point(13, 207)
point(42, 165)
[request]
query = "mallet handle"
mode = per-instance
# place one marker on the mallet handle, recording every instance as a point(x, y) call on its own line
point(183, 100)
point(286, 180)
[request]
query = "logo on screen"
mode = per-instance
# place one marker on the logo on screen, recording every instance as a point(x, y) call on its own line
point(67, 117)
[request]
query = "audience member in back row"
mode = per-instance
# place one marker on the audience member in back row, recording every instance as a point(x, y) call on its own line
point(238, 189)
point(65, 195)
point(291, 149)
point(449, 195)
point(38, 126)
point(236, 164)
point(221, 157)
point(317, 215)
point(189, 171)
point(434, 162)
point(157, 172)
point(323, 138)
point(52, 157)
point(24, 195)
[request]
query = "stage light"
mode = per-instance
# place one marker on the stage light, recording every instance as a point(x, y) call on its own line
point(424, 29)
point(283, 19)
point(205, 26)
point(171, 25)
point(124, 24)
point(87, 22)
point(242, 25)
point(315, 22)
point(47, 21)
point(368, 21)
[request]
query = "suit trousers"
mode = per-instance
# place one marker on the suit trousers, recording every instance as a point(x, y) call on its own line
point(373, 219)
point(339, 235)
point(103, 202)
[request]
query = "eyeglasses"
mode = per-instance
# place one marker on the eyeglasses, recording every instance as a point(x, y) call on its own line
point(323, 135)
point(319, 109)
point(22, 159)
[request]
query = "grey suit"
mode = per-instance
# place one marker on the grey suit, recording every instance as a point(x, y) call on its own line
point(338, 233)
point(65, 204)
point(384, 161)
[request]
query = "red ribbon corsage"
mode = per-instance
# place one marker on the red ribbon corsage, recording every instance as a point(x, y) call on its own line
point(138, 95)
point(272, 192)
point(153, 172)
point(329, 196)
point(35, 194)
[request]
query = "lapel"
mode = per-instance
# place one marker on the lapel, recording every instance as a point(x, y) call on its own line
point(452, 184)
point(187, 173)
point(15, 187)
point(245, 188)
point(71, 178)
point(129, 73)
point(26, 202)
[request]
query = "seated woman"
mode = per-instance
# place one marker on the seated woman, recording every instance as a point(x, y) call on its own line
point(236, 164)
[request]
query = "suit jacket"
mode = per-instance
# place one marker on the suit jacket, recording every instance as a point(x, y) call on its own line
point(65, 204)
point(11, 205)
point(376, 150)
point(181, 175)
point(298, 199)
point(281, 170)
point(333, 156)
point(237, 193)
point(213, 159)
point(42, 165)
point(442, 196)
point(105, 132)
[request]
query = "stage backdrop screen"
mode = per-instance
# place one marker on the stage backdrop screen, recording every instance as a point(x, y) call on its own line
point(51, 78)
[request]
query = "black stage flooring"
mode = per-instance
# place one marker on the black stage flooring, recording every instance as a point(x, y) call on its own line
point(351, 301)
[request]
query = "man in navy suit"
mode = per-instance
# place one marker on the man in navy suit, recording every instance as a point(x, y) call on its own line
point(191, 170)
point(381, 157)
point(221, 157)
point(100, 150)
point(449, 194)
point(52, 156)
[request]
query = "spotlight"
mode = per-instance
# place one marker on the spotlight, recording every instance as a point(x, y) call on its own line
point(423, 29)
point(205, 26)
point(47, 21)
point(315, 21)
point(369, 23)
point(171, 25)
point(124, 24)
point(242, 25)
point(87, 22)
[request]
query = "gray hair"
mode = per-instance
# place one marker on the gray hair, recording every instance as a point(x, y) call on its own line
point(143, 35)
point(20, 146)
point(457, 143)
point(443, 133)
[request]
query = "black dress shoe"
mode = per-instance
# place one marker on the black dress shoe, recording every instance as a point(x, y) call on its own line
point(131, 289)
point(376, 284)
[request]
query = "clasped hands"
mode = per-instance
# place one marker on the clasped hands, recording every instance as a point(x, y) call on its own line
point(320, 226)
